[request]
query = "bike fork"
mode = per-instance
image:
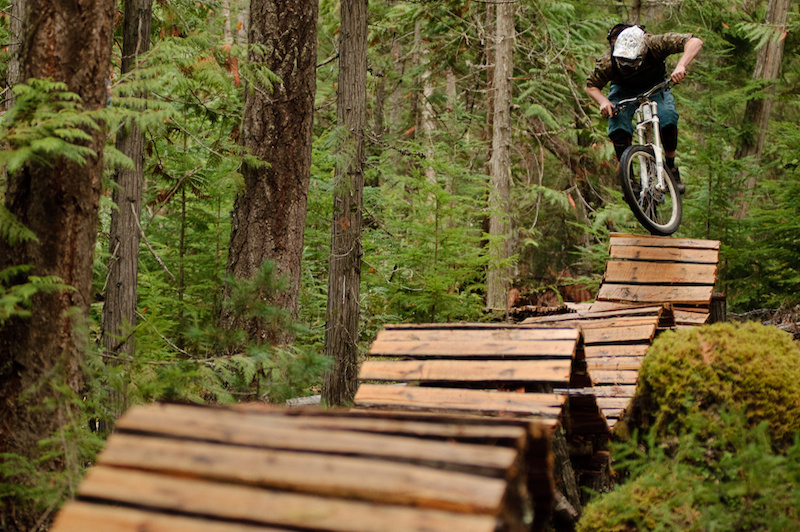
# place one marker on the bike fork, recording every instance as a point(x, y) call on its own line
point(647, 117)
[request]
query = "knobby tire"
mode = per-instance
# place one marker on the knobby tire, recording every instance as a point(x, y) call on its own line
point(659, 212)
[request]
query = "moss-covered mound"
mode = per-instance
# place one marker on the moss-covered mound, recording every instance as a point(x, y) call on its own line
point(704, 371)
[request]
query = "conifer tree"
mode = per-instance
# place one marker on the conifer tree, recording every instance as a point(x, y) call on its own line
point(57, 198)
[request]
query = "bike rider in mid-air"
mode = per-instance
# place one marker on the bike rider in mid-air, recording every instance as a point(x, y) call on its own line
point(635, 63)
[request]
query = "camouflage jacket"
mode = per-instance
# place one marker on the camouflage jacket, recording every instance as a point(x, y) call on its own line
point(650, 72)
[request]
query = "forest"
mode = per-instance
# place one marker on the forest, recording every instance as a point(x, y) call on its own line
point(216, 201)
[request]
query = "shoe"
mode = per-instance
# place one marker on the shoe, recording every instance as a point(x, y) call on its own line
point(676, 175)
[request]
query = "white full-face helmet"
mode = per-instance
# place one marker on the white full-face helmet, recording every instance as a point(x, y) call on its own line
point(630, 47)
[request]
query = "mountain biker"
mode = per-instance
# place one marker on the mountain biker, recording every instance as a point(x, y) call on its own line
point(635, 63)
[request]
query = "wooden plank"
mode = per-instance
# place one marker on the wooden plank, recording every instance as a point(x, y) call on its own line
point(544, 406)
point(638, 333)
point(441, 426)
point(696, 295)
point(614, 403)
point(337, 476)
point(84, 517)
point(467, 371)
point(659, 273)
point(664, 255)
point(691, 317)
point(496, 349)
point(275, 508)
point(622, 239)
point(503, 333)
point(280, 432)
point(614, 377)
point(599, 351)
point(613, 363)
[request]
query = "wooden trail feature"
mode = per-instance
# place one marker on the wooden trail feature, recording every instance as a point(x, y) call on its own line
point(469, 427)
point(182, 468)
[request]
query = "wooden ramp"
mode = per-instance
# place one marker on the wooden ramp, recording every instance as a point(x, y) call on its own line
point(500, 371)
point(615, 342)
point(652, 270)
point(483, 369)
point(172, 468)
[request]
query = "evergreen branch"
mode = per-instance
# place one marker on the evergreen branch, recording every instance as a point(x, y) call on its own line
point(147, 243)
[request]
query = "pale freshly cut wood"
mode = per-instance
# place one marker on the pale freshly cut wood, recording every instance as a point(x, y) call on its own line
point(420, 424)
point(280, 432)
point(335, 476)
point(446, 333)
point(613, 363)
point(614, 377)
point(696, 295)
point(85, 517)
point(612, 403)
point(467, 371)
point(612, 335)
point(622, 239)
point(462, 348)
point(595, 351)
point(665, 255)
point(545, 406)
point(691, 317)
point(622, 321)
point(270, 507)
point(659, 273)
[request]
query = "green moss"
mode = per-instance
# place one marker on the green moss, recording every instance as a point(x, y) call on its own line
point(747, 367)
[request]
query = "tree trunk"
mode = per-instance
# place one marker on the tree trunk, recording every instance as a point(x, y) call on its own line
point(14, 47)
point(59, 203)
point(758, 110)
point(498, 278)
point(268, 219)
point(341, 332)
point(119, 310)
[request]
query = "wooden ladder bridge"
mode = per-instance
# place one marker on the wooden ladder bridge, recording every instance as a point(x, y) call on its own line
point(470, 427)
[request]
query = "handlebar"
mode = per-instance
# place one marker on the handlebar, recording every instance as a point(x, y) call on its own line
point(622, 105)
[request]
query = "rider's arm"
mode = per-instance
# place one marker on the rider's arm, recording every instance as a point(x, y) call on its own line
point(606, 108)
point(690, 51)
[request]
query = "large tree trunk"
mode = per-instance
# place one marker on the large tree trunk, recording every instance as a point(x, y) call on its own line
point(341, 332)
point(69, 42)
point(119, 310)
point(268, 219)
point(498, 278)
point(758, 110)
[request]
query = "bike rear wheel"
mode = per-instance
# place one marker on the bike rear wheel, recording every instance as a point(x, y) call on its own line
point(658, 211)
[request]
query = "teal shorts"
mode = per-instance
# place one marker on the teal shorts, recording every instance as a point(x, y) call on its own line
point(667, 114)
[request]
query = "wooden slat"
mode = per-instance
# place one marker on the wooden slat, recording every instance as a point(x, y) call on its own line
point(448, 334)
point(467, 371)
point(283, 432)
point(274, 508)
point(659, 273)
point(614, 377)
point(545, 406)
point(652, 294)
point(638, 333)
point(450, 427)
point(691, 317)
point(495, 349)
point(593, 351)
point(340, 476)
point(613, 363)
point(665, 255)
point(614, 403)
point(622, 239)
point(84, 517)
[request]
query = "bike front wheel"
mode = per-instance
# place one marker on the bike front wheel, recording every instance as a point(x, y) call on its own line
point(659, 211)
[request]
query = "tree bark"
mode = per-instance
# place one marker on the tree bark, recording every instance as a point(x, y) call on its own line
point(68, 42)
point(758, 110)
point(119, 309)
point(268, 219)
point(341, 332)
point(498, 278)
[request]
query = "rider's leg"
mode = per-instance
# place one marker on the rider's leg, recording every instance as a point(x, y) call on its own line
point(668, 117)
point(621, 140)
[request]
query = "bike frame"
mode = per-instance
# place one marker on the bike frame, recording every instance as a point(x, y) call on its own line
point(647, 119)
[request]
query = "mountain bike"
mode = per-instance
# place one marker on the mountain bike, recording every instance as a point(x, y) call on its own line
point(647, 184)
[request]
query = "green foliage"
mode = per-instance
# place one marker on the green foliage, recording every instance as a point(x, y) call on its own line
point(748, 486)
point(725, 366)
